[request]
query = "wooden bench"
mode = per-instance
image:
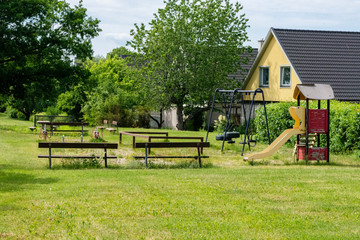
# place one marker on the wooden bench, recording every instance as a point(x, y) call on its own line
point(82, 124)
point(114, 125)
point(32, 128)
point(146, 145)
point(201, 139)
point(51, 145)
point(53, 126)
point(139, 134)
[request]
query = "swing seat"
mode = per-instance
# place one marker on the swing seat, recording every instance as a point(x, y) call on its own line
point(229, 136)
point(251, 140)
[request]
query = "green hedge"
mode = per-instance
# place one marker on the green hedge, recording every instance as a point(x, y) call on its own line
point(344, 123)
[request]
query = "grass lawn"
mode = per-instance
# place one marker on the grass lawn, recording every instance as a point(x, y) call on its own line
point(274, 198)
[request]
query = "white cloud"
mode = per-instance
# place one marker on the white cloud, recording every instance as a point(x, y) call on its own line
point(117, 36)
point(119, 16)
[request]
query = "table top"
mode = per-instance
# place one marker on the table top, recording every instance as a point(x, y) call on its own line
point(64, 123)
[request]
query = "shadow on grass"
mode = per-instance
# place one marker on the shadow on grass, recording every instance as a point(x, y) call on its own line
point(134, 164)
point(14, 181)
point(299, 163)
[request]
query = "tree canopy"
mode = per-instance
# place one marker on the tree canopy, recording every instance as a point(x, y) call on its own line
point(39, 40)
point(189, 51)
point(114, 94)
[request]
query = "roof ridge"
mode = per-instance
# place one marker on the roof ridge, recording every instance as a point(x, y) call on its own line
point(312, 30)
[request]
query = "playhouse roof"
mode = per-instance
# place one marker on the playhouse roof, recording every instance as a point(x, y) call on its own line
point(314, 91)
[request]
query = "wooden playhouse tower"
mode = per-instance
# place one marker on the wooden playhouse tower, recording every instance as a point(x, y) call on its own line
point(308, 145)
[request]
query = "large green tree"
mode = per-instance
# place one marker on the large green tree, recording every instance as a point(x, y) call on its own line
point(114, 94)
point(189, 51)
point(39, 39)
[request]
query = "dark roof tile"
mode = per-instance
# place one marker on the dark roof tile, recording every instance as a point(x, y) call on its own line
point(328, 57)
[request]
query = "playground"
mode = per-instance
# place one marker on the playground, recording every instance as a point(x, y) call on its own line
point(275, 198)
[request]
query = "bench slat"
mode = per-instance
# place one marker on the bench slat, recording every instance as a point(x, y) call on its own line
point(172, 157)
point(66, 130)
point(66, 156)
point(129, 133)
point(77, 145)
point(166, 137)
point(171, 144)
point(69, 123)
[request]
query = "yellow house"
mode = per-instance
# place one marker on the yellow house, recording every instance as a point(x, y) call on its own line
point(290, 57)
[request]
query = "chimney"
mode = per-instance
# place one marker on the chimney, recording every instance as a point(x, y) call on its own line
point(261, 43)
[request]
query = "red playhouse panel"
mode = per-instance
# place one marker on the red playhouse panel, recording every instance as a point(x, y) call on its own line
point(315, 153)
point(318, 121)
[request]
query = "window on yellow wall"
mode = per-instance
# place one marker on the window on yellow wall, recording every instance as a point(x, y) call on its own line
point(264, 77)
point(285, 76)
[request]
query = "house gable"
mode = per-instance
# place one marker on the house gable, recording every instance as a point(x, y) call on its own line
point(273, 58)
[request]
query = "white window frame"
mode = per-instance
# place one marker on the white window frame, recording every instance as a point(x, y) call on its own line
point(282, 85)
point(261, 83)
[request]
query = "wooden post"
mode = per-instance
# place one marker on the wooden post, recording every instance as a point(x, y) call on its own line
point(328, 133)
point(49, 156)
point(318, 135)
point(307, 132)
point(105, 157)
point(298, 135)
point(198, 148)
point(146, 155)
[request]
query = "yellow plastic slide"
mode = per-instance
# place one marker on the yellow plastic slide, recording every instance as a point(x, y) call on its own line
point(298, 114)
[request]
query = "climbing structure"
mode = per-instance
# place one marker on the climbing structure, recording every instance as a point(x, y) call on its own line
point(310, 124)
point(308, 145)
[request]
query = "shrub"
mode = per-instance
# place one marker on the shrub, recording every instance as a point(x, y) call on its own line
point(142, 117)
point(20, 115)
point(344, 123)
point(278, 117)
point(344, 126)
point(11, 112)
point(196, 123)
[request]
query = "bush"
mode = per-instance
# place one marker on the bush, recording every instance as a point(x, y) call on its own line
point(344, 123)
point(11, 112)
point(279, 119)
point(20, 115)
point(196, 123)
point(344, 126)
point(3, 103)
point(52, 110)
point(142, 117)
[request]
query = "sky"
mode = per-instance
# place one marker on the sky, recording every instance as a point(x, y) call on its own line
point(119, 16)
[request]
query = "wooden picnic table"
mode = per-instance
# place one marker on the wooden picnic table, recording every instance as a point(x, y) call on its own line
point(139, 134)
point(53, 124)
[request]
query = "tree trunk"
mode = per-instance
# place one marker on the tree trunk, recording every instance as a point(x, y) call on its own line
point(160, 122)
point(180, 117)
point(27, 114)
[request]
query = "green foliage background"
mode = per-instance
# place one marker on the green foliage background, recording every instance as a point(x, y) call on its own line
point(344, 123)
point(191, 46)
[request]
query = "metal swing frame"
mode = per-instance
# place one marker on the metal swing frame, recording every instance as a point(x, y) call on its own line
point(228, 109)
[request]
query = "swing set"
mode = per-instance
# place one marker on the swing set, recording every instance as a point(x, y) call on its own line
point(228, 98)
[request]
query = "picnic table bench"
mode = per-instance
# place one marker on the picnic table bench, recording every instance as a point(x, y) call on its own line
point(147, 145)
point(201, 139)
point(51, 145)
point(114, 126)
point(140, 134)
point(32, 128)
point(53, 126)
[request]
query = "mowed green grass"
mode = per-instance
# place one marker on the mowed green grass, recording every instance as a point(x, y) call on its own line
point(229, 199)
